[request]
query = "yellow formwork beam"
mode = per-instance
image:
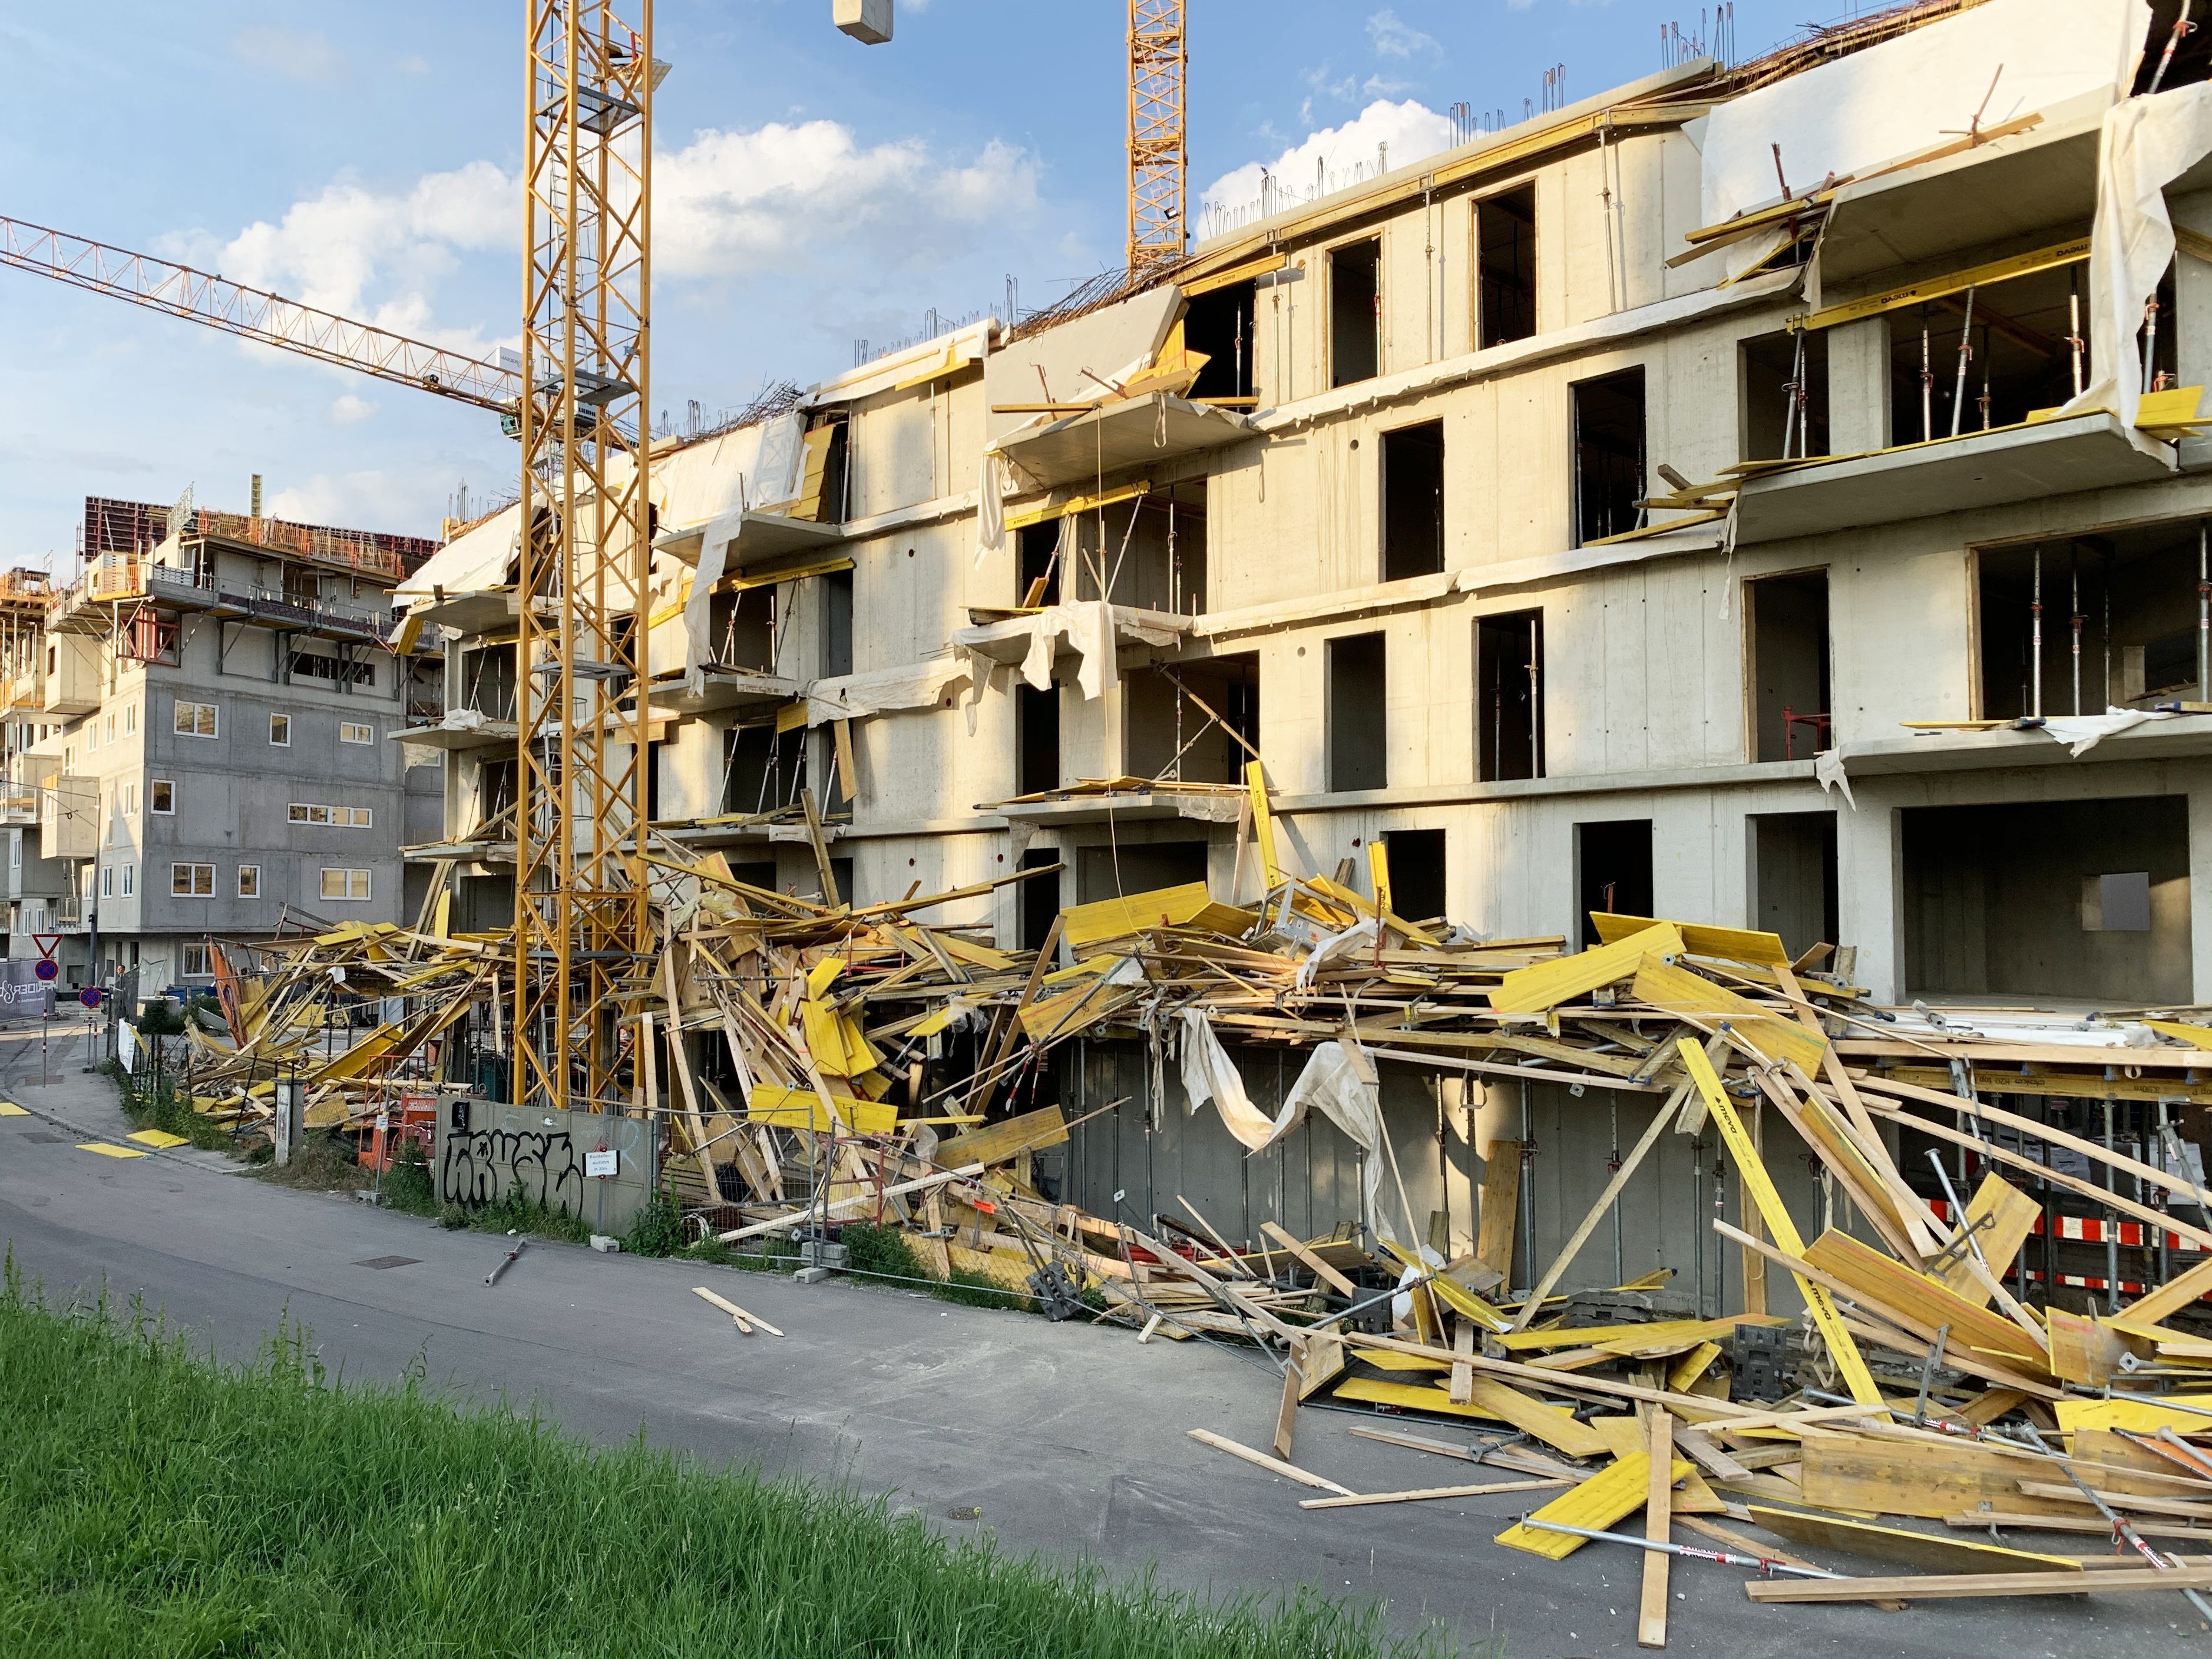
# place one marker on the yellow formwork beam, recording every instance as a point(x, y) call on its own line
point(1776, 1214)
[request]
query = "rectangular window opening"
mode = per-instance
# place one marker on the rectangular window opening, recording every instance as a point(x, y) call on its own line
point(192, 881)
point(1612, 872)
point(1040, 901)
point(1355, 311)
point(348, 885)
point(1192, 722)
point(197, 720)
point(2082, 900)
point(351, 732)
point(1414, 502)
point(1787, 619)
point(1505, 266)
point(1793, 878)
point(836, 623)
point(1509, 694)
point(1218, 325)
point(766, 768)
point(1784, 395)
point(1358, 731)
point(1037, 741)
point(1122, 867)
point(249, 881)
point(162, 795)
point(2018, 354)
point(1416, 861)
point(1037, 563)
point(1609, 421)
point(280, 730)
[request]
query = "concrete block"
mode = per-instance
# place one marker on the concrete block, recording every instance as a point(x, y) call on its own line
point(810, 1275)
point(868, 21)
point(606, 1244)
point(816, 1253)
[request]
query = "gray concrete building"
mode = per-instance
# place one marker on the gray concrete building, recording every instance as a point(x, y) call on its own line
point(214, 709)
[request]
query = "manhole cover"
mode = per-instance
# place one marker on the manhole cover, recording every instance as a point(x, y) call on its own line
point(382, 1262)
point(44, 1139)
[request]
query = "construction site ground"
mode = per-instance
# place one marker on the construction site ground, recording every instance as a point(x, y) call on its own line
point(1068, 1439)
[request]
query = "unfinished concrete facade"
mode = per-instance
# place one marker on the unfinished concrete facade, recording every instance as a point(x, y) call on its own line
point(1425, 531)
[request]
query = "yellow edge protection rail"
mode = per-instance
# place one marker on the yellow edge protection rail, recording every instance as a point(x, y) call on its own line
point(1957, 281)
point(1760, 1186)
point(1263, 823)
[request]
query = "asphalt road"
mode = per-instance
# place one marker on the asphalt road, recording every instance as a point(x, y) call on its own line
point(1069, 1438)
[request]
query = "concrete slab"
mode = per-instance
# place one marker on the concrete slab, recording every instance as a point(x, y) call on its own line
point(1950, 475)
point(1952, 751)
point(760, 535)
point(1140, 432)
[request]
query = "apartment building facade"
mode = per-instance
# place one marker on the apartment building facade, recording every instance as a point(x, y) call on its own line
point(214, 757)
point(1590, 521)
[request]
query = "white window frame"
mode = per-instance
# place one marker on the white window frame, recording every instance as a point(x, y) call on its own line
point(129, 718)
point(191, 872)
point(154, 797)
point(186, 970)
point(280, 723)
point(107, 881)
point(347, 882)
point(186, 719)
point(357, 731)
point(336, 817)
point(249, 881)
point(129, 881)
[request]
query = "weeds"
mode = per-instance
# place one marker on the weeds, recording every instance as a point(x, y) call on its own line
point(161, 1504)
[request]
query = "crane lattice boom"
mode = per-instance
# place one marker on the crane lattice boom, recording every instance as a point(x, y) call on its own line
point(1158, 155)
point(253, 313)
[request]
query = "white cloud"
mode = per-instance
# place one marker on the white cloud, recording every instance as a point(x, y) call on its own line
point(361, 501)
point(1410, 129)
point(730, 203)
point(1393, 38)
point(306, 57)
point(348, 408)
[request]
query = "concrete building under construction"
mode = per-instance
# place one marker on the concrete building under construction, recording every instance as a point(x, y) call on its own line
point(1771, 495)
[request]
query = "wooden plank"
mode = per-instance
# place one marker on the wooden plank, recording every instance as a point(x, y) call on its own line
point(2081, 1349)
point(2125, 1465)
point(1890, 1284)
point(1294, 1376)
point(1933, 1587)
point(1319, 1269)
point(1900, 1477)
point(1678, 990)
point(1500, 1211)
point(997, 1143)
point(2006, 1216)
point(1841, 1349)
point(1531, 990)
point(1730, 944)
point(1696, 1408)
point(1490, 1399)
point(2173, 1508)
point(1692, 1365)
point(1928, 1551)
point(1462, 1376)
point(2154, 1306)
point(1665, 1332)
point(1426, 1494)
point(2144, 1416)
point(1979, 1519)
point(1272, 1465)
point(1651, 1612)
point(1703, 1452)
point(1263, 823)
point(1614, 1492)
point(787, 1108)
point(747, 1321)
point(1188, 905)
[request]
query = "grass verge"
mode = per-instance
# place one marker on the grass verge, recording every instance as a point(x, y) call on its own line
point(157, 1504)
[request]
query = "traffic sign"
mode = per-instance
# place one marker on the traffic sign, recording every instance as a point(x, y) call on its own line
point(46, 968)
point(45, 942)
point(89, 996)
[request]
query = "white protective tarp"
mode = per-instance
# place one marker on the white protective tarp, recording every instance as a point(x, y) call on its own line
point(990, 504)
point(2082, 732)
point(754, 466)
point(1090, 630)
point(884, 690)
point(2003, 59)
point(1335, 1082)
point(473, 561)
point(2147, 143)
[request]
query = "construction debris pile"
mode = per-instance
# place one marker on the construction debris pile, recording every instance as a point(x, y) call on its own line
point(824, 1064)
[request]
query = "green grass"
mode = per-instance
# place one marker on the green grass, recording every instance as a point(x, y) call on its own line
point(168, 1107)
point(152, 1502)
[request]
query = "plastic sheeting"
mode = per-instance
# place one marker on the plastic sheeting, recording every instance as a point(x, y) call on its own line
point(1090, 630)
point(2082, 732)
point(1337, 1083)
point(990, 504)
point(2147, 143)
point(884, 690)
point(473, 561)
point(1912, 93)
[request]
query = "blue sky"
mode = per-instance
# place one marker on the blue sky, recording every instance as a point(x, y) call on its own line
point(812, 192)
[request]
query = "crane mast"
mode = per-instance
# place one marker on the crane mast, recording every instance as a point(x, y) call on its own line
point(580, 906)
point(1158, 54)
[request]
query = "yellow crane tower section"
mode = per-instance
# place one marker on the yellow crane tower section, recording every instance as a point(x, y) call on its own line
point(1158, 53)
point(580, 903)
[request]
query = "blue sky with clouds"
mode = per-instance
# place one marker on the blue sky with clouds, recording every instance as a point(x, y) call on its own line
point(810, 193)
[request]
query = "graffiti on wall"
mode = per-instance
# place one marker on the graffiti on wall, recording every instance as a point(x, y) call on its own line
point(483, 1166)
